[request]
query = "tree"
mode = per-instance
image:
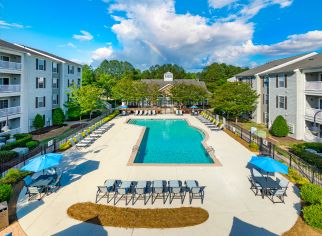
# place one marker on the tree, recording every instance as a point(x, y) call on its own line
point(87, 98)
point(106, 82)
point(157, 71)
point(117, 69)
point(88, 76)
point(124, 90)
point(58, 116)
point(184, 93)
point(38, 122)
point(279, 127)
point(234, 99)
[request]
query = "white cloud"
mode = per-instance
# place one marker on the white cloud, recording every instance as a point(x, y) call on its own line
point(220, 3)
point(71, 45)
point(102, 53)
point(85, 36)
point(7, 25)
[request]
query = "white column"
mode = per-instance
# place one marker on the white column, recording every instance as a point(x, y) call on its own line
point(300, 101)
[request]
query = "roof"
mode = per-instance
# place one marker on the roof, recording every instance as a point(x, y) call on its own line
point(33, 51)
point(163, 83)
point(267, 66)
point(307, 63)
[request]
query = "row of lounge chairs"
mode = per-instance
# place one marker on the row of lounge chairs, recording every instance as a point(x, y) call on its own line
point(145, 112)
point(145, 190)
point(261, 183)
point(212, 124)
point(179, 112)
point(88, 136)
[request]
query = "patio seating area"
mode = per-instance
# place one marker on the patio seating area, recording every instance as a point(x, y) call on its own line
point(213, 125)
point(132, 191)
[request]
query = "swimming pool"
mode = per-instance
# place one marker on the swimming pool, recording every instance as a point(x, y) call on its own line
point(171, 141)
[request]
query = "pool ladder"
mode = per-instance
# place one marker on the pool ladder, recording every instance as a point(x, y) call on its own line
point(210, 149)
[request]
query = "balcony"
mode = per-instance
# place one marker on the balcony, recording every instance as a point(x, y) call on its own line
point(8, 65)
point(10, 111)
point(10, 88)
point(308, 137)
point(313, 87)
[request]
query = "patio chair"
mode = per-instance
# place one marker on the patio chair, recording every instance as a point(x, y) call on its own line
point(51, 171)
point(136, 112)
point(124, 192)
point(55, 185)
point(180, 112)
point(34, 191)
point(177, 112)
point(158, 191)
point(283, 183)
point(145, 112)
point(27, 180)
point(177, 192)
point(255, 186)
point(104, 191)
point(149, 112)
point(279, 193)
point(153, 112)
point(141, 189)
point(197, 193)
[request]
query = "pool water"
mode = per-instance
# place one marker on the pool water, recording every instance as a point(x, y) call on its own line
point(172, 142)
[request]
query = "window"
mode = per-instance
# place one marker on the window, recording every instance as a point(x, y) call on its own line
point(55, 99)
point(4, 81)
point(40, 82)
point(70, 69)
point(78, 69)
point(290, 128)
point(55, 83)
point(281, 82)
point(55, 67)
point(266, 99)
point(40, 64)
point(40, 102)
point(281, 102)
point(4, 104)
point(4, 58)
point(320, 77)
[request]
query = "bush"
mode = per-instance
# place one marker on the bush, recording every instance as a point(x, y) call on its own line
point(313, 215)
point(279, 127)
point(65, 146)
point(5, 192)
point(20, 136)
point(253, 146)
point(7, 155)
point(58, 116)
point(13, 176)
point(311, 158)
point(111, 116)
point(295, 177)
point(19, 143)
point(311, 193)
point(38, 122)
point(32, 144)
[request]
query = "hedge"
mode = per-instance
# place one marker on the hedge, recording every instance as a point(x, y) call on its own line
point(7, 155)
point(13, 176)
point(19, 143)
point(311, 193)
point(295, 177)
point(5, 192)
point(32, 144)
point(311, 158)
point(279, 127)
point(313, 215)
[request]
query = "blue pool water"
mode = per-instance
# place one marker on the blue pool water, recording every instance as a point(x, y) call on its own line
point(171, 141)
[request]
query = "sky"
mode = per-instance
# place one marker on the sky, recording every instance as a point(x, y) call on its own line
point(191, 33)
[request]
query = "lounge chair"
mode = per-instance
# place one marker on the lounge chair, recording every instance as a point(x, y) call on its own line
point(283, 183)
point(149, 112)
point(177, 112)
point(280, 193)
point(84, 143)
point(136, 112)
point(180, 112)
point(197, 193)
point(153, 112)
point(104, 191)
point(34, 191)
point(221, 127)
point(140, 113)
point(176, 190)
point(124, 190)
point(55, 185)
point(159, 190)
point(145, 112)
point(142, 189)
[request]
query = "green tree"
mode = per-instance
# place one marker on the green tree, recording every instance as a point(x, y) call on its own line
point(185, 93)
point(157, 71)
point(117, 69)
point(58, 116)
point(234, 99)
point(38, 122)
point(106, 82)
point(87, 98)
point(124, 90)
point(279, 127)
point(88, 76)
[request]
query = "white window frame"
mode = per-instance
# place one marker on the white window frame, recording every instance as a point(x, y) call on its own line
point(280, 102)
point(41, 64)
point(55, 99)
point(41, 82)
point(56, 83)
point(291, 128)
point(41, 103)
point(3, 56)
point(55, 67)
point(281, 81)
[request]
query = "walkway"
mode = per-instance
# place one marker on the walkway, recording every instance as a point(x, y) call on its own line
point(232, 206)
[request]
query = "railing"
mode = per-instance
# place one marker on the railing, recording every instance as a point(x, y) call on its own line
point(10, 111)
point(313, 85)
point(10, 65)
point(12, 131)
point(310, 112)
point(311, 138)
point(10, 88)
point(268, 148)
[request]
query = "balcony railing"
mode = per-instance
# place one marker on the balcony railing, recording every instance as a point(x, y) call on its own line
point(313, 85)
point(11, 131)
point(10, 111)
point(308, 137)
point(10, 88)
point(10, 65)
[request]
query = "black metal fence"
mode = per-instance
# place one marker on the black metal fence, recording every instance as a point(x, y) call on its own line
point(312, 173)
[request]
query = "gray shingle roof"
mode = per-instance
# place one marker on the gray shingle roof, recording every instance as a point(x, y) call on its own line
point(32, 51)
point(308, 63)
point(267, 66)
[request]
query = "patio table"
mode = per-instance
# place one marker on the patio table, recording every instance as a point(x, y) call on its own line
point(266, 183)
point(42, 181)
point(191, 183)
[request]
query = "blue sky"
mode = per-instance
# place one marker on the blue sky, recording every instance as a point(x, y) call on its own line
point(191, 33)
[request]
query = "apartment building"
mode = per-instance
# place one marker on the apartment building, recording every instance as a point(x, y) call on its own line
point(32, 82)
point(291, 87)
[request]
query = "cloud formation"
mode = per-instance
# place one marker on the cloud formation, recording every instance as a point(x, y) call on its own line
point(102, 53)
point(7, 25)
point(84, 36)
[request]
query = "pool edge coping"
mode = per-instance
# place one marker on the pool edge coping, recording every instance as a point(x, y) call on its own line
point(134, 152)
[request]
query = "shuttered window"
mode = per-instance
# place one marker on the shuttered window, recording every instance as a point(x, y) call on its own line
point(276, 81)
point(285, 76)
point(276, 101)
point(285, 102)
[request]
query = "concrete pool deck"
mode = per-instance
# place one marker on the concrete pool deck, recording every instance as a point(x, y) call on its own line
point(233, 208)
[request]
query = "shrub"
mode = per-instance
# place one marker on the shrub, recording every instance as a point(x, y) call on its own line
point(13, 176)
point(253, 146)
point(58, 116)
point(311, 158)
point(20, 136)
point(313, 215)
point(32, 144)
point(311, 193)
point(38, 122)
point(7, 155)
point(65, 146)
point(279, 127)
point(5, 192)
point(295, 177)
point(19, 143)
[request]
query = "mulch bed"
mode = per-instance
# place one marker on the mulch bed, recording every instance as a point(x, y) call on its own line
point(51, 134)
point(238, 139)
point(302, 229)
point(46, 129)
point(137, 218)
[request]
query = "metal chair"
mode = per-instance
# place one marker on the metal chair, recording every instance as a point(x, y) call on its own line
point(197, 193)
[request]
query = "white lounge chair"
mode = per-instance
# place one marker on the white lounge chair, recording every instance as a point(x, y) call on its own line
point(177, 112)
point(180, 112)
point(145, 112)
point(153, 112)
point(136, 112)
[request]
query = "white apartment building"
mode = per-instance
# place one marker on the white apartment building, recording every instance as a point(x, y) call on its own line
point(32, 82)
point(291, 87)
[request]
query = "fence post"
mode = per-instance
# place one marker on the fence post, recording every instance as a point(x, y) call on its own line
point(273, 151)
point(290, 160)
point(312, 176)
point(241, 133)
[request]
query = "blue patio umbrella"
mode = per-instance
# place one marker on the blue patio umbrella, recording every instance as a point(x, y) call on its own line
point(123, 107)
point(43, 162)
point(268, 164)
point(194, 107)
